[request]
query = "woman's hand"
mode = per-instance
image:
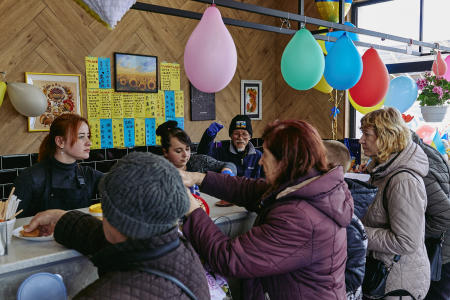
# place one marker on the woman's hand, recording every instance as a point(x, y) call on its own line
point(191, 178)
point(46, 221)
point(194, 203)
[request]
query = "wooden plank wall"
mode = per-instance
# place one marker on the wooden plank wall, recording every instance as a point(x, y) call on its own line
point(54, 36)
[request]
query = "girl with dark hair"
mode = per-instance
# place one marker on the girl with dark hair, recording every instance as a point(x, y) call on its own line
point(176, 147)
point(297, 247)
point(57, 181)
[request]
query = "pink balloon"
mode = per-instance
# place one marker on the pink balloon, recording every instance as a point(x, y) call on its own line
point(439, 66)
point(447, 74)
point(210, 57)
point(426, 133)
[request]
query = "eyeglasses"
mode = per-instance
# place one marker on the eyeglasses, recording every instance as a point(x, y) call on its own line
point(244, 135)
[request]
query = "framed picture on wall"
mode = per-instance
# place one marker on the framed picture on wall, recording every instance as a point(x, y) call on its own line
point(135, 73)
point(63, 92)
point(251, 99)
point(203, 105)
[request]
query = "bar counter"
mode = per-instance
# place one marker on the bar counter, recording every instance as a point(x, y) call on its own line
point(28, 257)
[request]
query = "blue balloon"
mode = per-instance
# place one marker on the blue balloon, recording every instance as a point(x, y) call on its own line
point(343, 64)
point(337, 34)
point(402, 93)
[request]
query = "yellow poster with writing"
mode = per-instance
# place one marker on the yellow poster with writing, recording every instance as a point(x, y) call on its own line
point(105, 103)
point(150, 105)
point(93, 103)
point(139, 132)
point(139, 105)
point(160, 105)
point(117, 131)
point(164, 69)
point(175, 77)
point(95, 133)
point(117, 106)
point(128, 105)
point(179, 104)
point(159, 121)
point(91, 72)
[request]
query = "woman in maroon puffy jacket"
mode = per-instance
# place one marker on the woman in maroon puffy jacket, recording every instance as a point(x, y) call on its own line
point(297, 247)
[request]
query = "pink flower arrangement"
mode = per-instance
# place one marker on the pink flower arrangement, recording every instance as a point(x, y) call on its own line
point(434, 90)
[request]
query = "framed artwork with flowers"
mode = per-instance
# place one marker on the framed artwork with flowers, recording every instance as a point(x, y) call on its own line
point(251, 99)
point(63, 93)
point(136, 73)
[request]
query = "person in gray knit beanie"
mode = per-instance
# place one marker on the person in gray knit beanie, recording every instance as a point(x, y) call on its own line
point(143, 195)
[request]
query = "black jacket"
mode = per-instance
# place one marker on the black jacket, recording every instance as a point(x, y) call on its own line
point(245, 162)
point(119, 265)
point(437, 185)
point(52, 184)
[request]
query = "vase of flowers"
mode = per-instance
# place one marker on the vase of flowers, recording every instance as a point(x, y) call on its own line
point(434, 97)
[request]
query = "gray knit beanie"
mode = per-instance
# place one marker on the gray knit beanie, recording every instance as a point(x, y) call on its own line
point(143, 195)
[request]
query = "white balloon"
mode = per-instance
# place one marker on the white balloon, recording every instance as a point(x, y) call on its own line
point(27, 99)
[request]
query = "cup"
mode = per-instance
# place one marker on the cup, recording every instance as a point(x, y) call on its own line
point(6, 229)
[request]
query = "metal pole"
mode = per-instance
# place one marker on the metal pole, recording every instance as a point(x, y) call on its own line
point(342, 11)
point(421, 23)
point(319, 22)
point(284, 15)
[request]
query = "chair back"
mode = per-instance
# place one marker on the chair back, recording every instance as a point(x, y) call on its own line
point(42, 286)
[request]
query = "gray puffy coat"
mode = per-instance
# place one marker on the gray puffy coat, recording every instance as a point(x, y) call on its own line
point(401, 229)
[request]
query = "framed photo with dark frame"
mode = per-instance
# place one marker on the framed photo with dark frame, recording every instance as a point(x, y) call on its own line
point(135, 73)
point(203, 105)
point(251, 99)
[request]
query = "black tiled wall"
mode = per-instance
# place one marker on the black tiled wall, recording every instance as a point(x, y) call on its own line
point(102, 159)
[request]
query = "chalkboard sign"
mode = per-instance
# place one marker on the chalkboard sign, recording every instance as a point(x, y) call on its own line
point(203, 105)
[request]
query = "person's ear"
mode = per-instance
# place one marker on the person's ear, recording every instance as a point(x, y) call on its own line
point(59, 141)
point(164, 153)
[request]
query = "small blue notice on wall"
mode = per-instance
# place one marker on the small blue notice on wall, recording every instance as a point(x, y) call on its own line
point(170, 104)
point(104, 73)
point(128, 132)
point(180, 122)
point(150, 138)
point(106, 136)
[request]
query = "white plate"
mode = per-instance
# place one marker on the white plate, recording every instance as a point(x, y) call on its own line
point(16, 233)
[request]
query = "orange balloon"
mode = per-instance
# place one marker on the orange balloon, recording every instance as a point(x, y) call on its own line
point(439, 66)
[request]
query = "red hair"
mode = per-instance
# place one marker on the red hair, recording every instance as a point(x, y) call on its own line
point(297, 147)
point(66, 125)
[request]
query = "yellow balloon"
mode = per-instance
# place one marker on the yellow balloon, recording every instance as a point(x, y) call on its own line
point(323, 86)
point(329, 9)
point(2, 91)
point(362, 109)
point(322, 43)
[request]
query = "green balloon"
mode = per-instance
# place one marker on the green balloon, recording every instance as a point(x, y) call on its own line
point(302, 63)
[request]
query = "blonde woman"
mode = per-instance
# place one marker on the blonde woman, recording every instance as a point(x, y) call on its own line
point(396, 225)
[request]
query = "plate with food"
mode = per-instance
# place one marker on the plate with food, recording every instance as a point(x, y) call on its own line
point(34, 235)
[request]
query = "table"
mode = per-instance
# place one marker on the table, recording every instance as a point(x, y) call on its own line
point(27, 257)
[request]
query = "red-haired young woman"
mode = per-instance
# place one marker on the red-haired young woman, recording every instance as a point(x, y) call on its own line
point(57, 181)
point(297, 247)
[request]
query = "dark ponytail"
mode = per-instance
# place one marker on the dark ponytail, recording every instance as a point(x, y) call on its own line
point(170, 129)
point(66, 125)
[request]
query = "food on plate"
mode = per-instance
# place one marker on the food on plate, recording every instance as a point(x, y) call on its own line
point(34, 233)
